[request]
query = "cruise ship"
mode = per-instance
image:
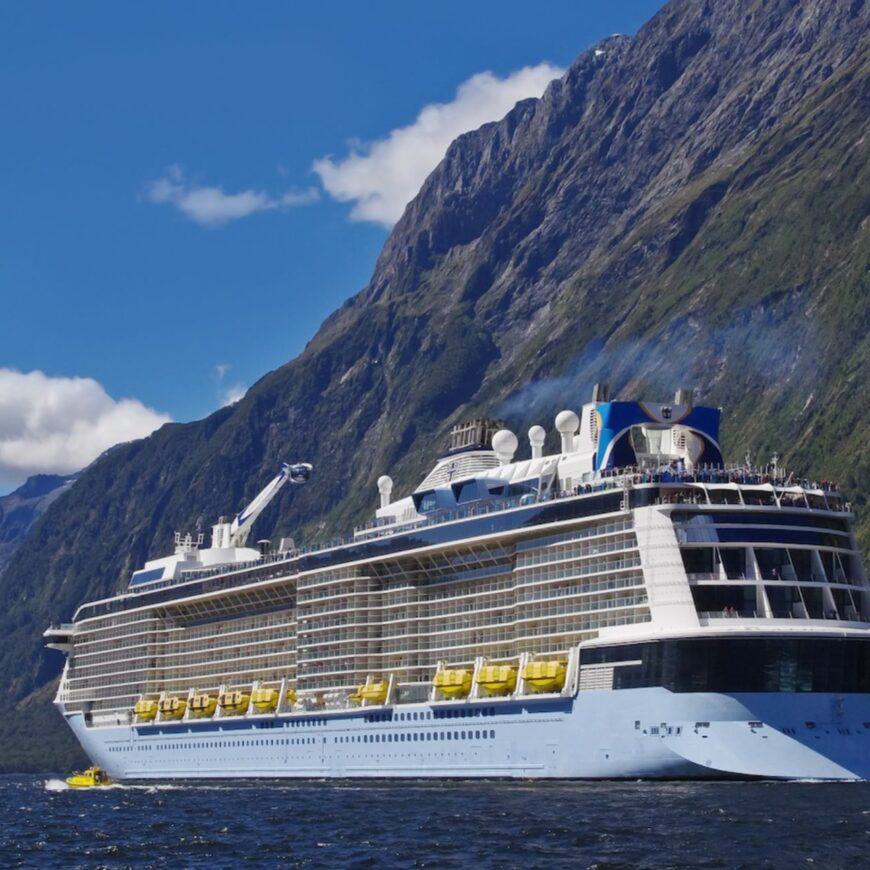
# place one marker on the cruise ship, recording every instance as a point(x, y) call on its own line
point(629, 606)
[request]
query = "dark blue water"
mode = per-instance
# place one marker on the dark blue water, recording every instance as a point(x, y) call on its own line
point(577, 825)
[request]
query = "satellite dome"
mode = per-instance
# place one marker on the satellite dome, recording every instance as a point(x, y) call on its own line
point(504, 443)
point(567, 422)
point(537, 435)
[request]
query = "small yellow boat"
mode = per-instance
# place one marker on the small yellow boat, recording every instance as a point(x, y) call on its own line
point(145, 709)
point(497, 679)
point(234, 703)
point(290, 696)
point(453, 683)
point(93, 777)
point(547, 676)
point(265, 700)
point(374, 692)
point(203, 706)
point(172, 708)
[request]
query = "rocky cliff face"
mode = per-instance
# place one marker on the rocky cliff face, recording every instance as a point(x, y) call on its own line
point(687, 207)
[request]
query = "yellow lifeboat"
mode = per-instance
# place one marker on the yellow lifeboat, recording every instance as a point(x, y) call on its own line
point(234, 703)
point(374, 692)
point(265, 700)
point(203, 706)
point(145, 709)
point(172, 708)
point(356, 697)
point(547, 676)
point(290, 696)
point(497, 679)
point(453, 683)
point(93, 777)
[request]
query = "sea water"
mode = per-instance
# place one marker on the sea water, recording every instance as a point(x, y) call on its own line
point(425, 824)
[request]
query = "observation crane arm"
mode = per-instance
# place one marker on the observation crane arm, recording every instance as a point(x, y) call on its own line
point(241, 526)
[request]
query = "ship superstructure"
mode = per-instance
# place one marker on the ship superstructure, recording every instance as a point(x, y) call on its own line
point(626, 606)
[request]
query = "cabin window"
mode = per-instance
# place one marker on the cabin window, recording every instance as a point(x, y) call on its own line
point(699, 560)
point(467, 491)
point(734, 562)
point(730, 600)
point(742, 665)
point(526, 487)
point(425, 501)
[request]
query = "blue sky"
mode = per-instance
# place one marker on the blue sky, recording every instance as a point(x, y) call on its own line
point(164, 233)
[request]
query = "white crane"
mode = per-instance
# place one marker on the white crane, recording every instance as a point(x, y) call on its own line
point(235, 534)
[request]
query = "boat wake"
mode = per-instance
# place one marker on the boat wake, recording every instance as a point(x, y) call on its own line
point(56, 785)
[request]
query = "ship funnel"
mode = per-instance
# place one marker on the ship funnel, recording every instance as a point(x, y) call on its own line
point(683, 397)
point(537, 437)
point(385, 488)
point(601, 393)
point(504, 444)
point(567, 423)
point(473, 434)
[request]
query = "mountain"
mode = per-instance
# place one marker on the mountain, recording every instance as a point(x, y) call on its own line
point(19, 510)
point(688, 207)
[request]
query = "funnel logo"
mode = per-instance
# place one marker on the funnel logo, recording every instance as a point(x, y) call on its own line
point(666, 413)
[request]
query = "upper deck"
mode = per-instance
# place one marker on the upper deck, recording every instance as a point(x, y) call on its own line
point(762, 498)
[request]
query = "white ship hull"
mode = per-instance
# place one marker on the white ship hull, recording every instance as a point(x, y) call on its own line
point(649, 733)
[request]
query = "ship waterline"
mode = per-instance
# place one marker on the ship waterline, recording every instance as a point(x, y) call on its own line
point(627, 607)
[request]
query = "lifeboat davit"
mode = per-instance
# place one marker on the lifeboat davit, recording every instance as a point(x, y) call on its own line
point(453, 682)
point(547, 676)
point(172, 708)
point(497, 679)
point(234, 703)
point(145, 709)
point(265, 700)
point(203, 706)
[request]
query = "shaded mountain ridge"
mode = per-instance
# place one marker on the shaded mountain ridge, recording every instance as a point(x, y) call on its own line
point(686, 207)
point(20, 509)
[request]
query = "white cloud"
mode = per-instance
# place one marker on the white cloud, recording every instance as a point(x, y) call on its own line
point(231, 394)
point(59, 425)
point(381, 178)
point(211, 207)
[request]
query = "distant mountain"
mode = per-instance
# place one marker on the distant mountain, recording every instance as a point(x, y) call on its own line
point(19, 510)
point(685, 208)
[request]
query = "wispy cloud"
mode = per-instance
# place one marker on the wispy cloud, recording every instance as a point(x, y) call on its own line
point(228, 394)
point(59, 425)
point(211, 206)
point(231, 394)
point(382, 177)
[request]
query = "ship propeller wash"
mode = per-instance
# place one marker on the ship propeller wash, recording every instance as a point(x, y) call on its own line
point(627, 606)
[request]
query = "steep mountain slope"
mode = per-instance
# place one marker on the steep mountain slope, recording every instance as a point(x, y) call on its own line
point(687, 207)
point(19, 510)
